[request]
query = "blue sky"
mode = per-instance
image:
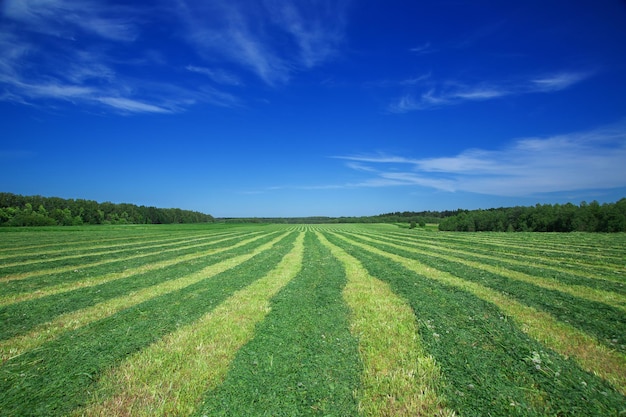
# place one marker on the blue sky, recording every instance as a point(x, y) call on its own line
point(305, 108)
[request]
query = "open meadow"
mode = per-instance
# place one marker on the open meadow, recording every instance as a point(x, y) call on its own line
point(296, 320)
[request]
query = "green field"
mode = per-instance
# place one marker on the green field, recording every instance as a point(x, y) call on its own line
point(295, 320)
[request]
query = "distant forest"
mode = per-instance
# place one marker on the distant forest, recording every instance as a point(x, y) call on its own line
point(591, 217)
point(586, 217)
point(17, 210)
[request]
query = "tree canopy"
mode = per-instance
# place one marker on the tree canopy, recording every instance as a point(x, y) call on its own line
point(18, 210)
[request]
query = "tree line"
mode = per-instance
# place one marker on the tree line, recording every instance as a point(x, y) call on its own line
point(586, 217)
point(420, 218)
point(18, 210)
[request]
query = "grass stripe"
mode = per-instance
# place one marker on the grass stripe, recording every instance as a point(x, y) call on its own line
point(580, 291)
point(399, 378)
point(88, 252)
point(602, 321)
point(563, 338)
point(607, 260)
point(60, 375)
point(303, 360)
point(169, 377)
point(84, 265)
point(46, 332)
point(93, 281)
point(516, 258)
point(91, 247)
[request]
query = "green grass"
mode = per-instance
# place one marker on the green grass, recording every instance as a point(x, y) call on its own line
point(57, 376)
point(346, 320)
point(303, 359)
point(486, 359)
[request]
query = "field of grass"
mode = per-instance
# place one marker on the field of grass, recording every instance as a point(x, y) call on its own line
point(296, 320)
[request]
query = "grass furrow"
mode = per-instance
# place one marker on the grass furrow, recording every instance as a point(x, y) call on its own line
point(599, 258)
point(22, 318)
point(561, 337)
point(399, 378)
point(70, 321)
point(87, 252)
point(592, 294)
point(573, 243)
point(94, 247)
point(17, 272)
point(515, 259)
point(170, 376)
point(303, 360)
point(605, 322)
point(30, 293)
point(60, 375)
point(98, 260)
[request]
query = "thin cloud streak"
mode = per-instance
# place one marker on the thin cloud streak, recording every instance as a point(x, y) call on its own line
point(577, 161)
point(455, 93)
point(62, 18)
point(245, 34)
point(71, 51)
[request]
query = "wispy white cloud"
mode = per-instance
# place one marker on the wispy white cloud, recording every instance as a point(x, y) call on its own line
point(64, 18)
point(454, 93)
point(529, 166)
point(271, 39)
point(218, 76)
point(43, 62)
point(132, 106)
point(556, 82)
point(425, 48)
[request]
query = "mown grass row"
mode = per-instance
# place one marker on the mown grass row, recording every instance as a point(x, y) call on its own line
point(170, 376)
point(604, 255)
point(79, 262)
point(598, 312)
point(21, 317)
point(48, 284)
point(487, 347)
point(56, 377)
point(314, 320)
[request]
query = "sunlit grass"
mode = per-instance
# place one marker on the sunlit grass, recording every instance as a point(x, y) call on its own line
point(169, 377)
point(70, 321)
point(92, 281)
point(561, 337)
point(399, 378)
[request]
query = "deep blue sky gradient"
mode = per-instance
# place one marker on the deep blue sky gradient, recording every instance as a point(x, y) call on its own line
point(303, 108)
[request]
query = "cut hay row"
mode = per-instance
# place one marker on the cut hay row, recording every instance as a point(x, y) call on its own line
point(70, 321)
point(89, 244)
point(524, 245)
point(350, 320)
point(514, 258)
point(399, 378)
point(302, 360)
point(170, 376)
point(592, 294)
point(57, 376)
point(128, 272)
point(86, 254)
point(559, 336)
point(86, 262)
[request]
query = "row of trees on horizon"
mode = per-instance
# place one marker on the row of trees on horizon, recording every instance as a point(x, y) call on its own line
point(586, 217)
point(18, 210)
